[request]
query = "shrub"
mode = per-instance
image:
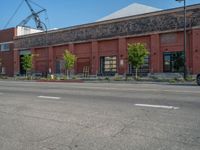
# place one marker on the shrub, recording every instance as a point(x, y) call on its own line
point(172, 81)
point(189, 78)
point(128, 78)
point(107, 78)
point(74, 77)
point(154, 77)
point(117, 78)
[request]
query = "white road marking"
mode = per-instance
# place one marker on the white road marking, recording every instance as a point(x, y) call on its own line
point(139, 90)
point(1, 93)
point(48, 97)
point(157, 106)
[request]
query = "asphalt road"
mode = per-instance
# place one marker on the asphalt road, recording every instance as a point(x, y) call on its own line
point(98, 116)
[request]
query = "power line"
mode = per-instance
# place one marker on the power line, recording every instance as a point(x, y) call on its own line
point(14, 14)
point(47, 19)
point(19, 6)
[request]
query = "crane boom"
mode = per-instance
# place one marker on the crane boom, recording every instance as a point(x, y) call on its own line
point(25, 21)
point(29, 5)
point(35, 16)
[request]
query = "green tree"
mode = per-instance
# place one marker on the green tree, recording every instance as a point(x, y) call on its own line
point(27, 62)
point(69, 61)
point(136, 54)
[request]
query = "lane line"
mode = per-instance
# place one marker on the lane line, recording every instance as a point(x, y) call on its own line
point(139, 90)
point(157, 106)
point(48, 97)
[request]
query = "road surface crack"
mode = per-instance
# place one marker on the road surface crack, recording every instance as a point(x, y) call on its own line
point(125, 126)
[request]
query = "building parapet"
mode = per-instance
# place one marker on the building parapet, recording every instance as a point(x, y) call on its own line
point(161, 21)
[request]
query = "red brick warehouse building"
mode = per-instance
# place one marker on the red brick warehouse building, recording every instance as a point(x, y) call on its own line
point(103, 45)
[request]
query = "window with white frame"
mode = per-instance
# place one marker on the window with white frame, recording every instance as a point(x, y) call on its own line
point(108, 65)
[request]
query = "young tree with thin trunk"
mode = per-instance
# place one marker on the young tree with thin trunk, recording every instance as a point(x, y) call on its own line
point(27, 62)
point(136, 54)
point(69, 61)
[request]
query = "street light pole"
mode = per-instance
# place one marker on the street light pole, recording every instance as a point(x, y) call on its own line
point(185, 39)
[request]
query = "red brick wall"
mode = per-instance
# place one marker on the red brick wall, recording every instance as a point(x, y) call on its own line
point(41, 60)
point(7, 62)
point(7, 56)
point(16, 61)
point(122, 56)
point(196, 51)
point(58, 51)
point(83, 52)
point(95, 58)
point(108, 48)
point(155, 55)
point(7, 35)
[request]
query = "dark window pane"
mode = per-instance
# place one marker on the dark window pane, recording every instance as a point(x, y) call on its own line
point(173, 62)
point(167, 63)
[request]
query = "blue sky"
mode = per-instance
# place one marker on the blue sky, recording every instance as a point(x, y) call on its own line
point(64, 13)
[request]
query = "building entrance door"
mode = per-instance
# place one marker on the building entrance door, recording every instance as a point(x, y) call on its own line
point(22, 53)
point(60, 69)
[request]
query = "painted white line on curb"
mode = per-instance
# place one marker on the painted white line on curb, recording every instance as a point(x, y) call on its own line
point(48, 97)
point(157, 106)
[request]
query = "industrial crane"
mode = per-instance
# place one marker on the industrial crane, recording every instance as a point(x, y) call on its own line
point(35, 15)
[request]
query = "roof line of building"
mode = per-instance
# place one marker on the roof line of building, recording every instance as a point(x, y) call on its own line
point(171, 10)
point(115, 38)
point(7, 29)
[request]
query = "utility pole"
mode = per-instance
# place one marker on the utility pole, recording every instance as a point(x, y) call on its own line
point(185, 39)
